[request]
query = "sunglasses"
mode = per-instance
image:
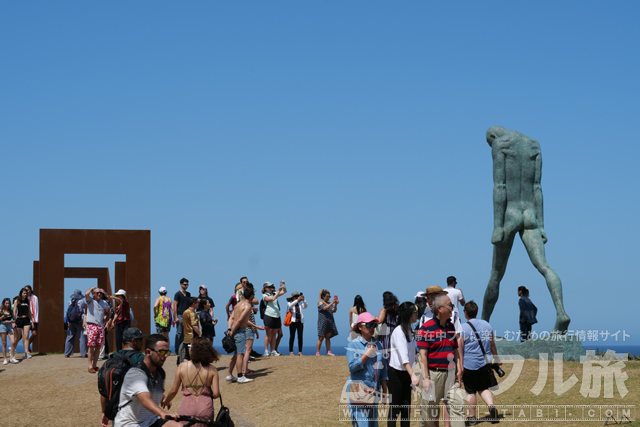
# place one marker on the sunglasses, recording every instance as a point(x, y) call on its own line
point(161, 352)
point(370, 324)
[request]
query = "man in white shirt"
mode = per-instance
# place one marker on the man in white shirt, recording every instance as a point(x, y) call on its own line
point(97, 314)
point(143, 389)
point(456, 296)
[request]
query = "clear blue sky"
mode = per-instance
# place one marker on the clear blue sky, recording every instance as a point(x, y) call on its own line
point(334, 144)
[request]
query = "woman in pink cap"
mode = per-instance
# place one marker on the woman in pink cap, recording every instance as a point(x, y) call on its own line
point(367, 384)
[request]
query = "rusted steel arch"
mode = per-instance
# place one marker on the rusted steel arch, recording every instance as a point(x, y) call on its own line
point(134, 275)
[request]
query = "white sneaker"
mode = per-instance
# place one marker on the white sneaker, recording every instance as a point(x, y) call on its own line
point(244, 380)
point(28, 356)
point(266, 353)
point(14, 360)
point(5, 362)
point(275, 353)
point(231, 378)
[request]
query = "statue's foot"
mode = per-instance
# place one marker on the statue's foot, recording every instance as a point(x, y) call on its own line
point(562, 324)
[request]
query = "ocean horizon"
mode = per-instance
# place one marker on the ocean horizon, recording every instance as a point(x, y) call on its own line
point(341, 349)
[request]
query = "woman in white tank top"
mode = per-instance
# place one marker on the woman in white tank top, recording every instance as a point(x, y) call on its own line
point(356, 310)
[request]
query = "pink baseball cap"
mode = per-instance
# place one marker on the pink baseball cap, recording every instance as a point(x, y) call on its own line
point(366, 317)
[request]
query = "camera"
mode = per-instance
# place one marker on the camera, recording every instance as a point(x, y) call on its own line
point(498, 370)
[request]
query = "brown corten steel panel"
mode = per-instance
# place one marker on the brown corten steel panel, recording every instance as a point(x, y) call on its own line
point(55, 243)
point(104, 282)
point(36, 290)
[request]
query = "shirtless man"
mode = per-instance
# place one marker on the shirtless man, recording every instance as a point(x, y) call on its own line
point(238, 321)
point(517, 208)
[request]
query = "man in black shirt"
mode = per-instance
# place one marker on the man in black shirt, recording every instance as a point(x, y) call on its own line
point(180, 304)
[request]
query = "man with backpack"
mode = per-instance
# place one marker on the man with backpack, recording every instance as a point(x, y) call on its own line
point(112, 372)
point(75, 312)
point(143, 388)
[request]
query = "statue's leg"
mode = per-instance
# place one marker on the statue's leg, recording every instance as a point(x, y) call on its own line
point(498, 267)
point(532, 240)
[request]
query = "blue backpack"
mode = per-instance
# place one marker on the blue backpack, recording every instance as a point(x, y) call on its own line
point(74, 313)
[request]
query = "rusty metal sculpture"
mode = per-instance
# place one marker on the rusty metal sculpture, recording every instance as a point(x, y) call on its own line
point(49, 273)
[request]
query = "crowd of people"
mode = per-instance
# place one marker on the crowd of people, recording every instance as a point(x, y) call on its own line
point(18, 320)
point(384, 352)
point(417, 345)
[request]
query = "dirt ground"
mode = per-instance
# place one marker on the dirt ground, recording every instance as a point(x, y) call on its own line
point(300, 391)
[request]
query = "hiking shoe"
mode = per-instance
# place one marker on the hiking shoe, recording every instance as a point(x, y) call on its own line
point(242, 380)
point(471, 421)
point(275, 353)
point(494, 415)
point(13, 360)
point(266, 353)
point(231, 378)
point(330, 354)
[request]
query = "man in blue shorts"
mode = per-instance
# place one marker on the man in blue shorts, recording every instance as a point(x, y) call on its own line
point(239, 319)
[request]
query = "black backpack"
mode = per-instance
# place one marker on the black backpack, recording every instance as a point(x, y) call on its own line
point(74, 313)
point(110, 379)
point(224, 416)
point(263, 307)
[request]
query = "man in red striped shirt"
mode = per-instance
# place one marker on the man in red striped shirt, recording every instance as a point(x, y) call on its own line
point(441, 360)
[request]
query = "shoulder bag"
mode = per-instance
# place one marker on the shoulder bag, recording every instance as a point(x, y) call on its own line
point(287, 319)
point(361, 394)
point(488, 367)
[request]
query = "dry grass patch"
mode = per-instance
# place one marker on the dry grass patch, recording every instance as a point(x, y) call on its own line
point(288, 390)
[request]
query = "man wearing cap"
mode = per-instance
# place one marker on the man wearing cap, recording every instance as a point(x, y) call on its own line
point(132, 345)
point(180, 304)
point(74, 328)
point(430, 294)
point(163, 313)
point(97, 314)
point(441, 360)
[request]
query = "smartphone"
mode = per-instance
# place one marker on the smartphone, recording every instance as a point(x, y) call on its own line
point(335, 297)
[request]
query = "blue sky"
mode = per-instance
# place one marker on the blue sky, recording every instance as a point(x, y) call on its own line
point(336, 145)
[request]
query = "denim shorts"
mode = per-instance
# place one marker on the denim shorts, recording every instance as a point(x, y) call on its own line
point(240, 340)
point(6, 328)
point(249, 334)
